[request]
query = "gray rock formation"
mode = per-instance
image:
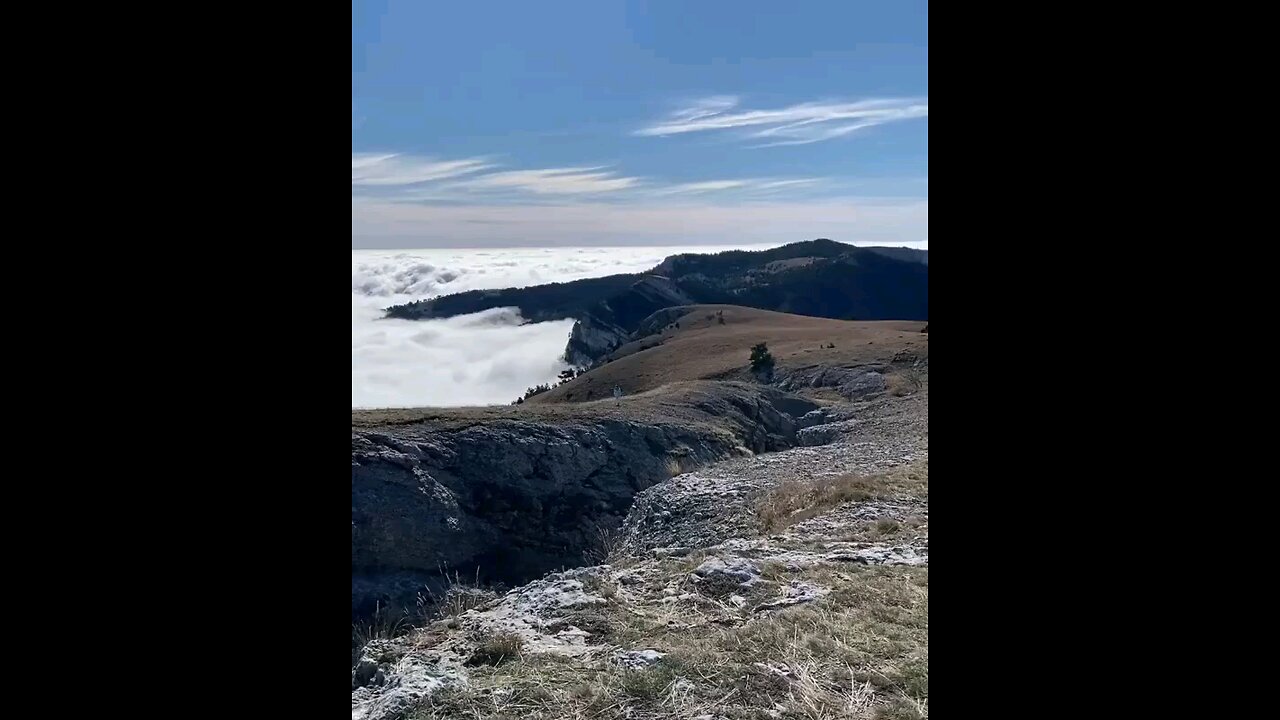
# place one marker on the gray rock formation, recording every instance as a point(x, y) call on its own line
point(728, 571)
point(394, 676)
point(711, 505)
point(637, 658)
point(604, 327)
point(854, 383)
point(817, 435)
point(518, 498)
point(592, 338)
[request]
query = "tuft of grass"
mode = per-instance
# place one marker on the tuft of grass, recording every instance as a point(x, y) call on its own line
point(458, 597)
point(887, 526)
point(677, 465)
point(719, 586)
point(390, 622)
point(650, 686)
point(796, 500)
point(902, 708)
point(599, 625)
point(496, 649)
point(906, 381)
point(912, 677)
point(601, 586)
point(604, 539)
point(387, 623)
point(773, 570)
point(689, 562)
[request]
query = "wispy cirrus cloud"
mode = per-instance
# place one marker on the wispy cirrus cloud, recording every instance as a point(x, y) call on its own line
point(390, 170)
point(745, 184)
point(792, 125)
point(706, 107)
point(556, 181)
point(396, 178)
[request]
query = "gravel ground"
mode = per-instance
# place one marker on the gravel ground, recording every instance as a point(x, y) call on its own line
point(715, 503)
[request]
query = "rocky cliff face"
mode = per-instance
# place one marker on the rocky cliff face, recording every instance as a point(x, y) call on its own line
point(517, 498)
point(591, 339)
point(609, 324)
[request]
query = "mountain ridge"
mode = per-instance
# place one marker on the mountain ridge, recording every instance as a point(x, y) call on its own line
point(818, 278)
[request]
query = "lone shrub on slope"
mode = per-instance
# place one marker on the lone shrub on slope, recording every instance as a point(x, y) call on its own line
point(762, 361)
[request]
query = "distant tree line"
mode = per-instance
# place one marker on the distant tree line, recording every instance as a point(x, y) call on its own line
point(565, 377)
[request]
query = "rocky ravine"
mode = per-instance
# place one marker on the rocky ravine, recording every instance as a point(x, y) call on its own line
point(515, 497)
point(688, 618)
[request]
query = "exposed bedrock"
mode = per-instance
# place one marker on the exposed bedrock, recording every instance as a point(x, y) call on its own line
point(517, 498)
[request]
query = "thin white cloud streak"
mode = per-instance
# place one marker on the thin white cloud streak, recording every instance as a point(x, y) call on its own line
point(706, 107)
point(790, 183)
point(748, 185)
point(875, 220)
point(390, 170)
point(812, 134)
point(555, 181)
point(793, 125)
point(703, 187)
point(395, 178)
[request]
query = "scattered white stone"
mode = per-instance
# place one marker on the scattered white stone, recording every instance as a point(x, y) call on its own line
point(742, 572)
point(637, 658)
point(793, 594)
point(882, 555)
point(628, 577)
point(413, 678)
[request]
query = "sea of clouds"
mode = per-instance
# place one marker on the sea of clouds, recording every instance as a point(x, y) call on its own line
point(481, 359)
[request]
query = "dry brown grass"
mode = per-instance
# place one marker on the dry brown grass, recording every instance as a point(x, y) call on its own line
point(705, 348)
point(906, 381)
point(886, 530)
point(604, 537)
point(797, 500)
point(676, 466)
point(496, 649)
point(679, 402)
point(385, 624)
point(430, 609)
point(887, 526)
point(460, 595)
point(859, 653)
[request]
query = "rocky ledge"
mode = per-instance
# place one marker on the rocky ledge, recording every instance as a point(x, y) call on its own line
point(788, 584)
point(509, 497)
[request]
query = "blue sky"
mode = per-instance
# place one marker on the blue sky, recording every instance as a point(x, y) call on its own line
point(574, 122)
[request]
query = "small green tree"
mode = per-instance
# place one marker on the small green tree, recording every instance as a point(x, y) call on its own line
point(762, 361)
point(536, 390)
